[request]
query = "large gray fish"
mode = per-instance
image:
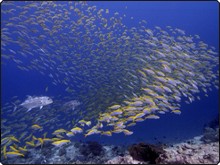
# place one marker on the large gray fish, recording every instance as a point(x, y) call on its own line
point(72, 104)
point(34, 102)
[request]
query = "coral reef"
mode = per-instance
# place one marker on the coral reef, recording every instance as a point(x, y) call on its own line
point(210, 135)
point(124, 160)
point(202, 149)
point(91, 148)
point(145, 152)
point(192, 151)
point(211, 131)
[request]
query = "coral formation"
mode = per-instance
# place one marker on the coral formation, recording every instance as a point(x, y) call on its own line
point(192, 151)
point(91, 148)
point(145, 152)
point(202, 149)
point(211, 131)
point(124, 160)
point(210, 135)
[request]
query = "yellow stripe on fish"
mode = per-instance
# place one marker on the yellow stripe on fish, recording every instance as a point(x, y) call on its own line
point(76, 130)
point(60, 142)
point(107, 133)
point(178, 112)
point(59, 131)
point(14, 149)
point(14, 139)
point(30, 144)
point(127, 132)
point(14, 154)
point(36, 127)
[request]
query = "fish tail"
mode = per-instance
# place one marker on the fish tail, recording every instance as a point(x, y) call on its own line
point(15, 107)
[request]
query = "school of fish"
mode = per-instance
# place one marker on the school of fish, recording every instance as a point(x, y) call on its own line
point(114, 75)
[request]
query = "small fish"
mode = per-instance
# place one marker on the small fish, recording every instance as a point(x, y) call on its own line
point(23, 149)
point(59, 131)
point(13, 154)
point(88, 123)
point(56, 139)
point(131, 124)
point(114, 107)
point(178, 112)
point(92, 131)
point(60, 142)
point(14, 149)
point(4, 152)
point(127, 132)
point(107, 133)
point(117, 130)
point(136, 103)
point(152, 116)
point(36, 127)
point(30, 144)
point(76, 130)
point(83, 122)
point(69, 134)
point(41, 141)
point(71, 104)
point(14, 139)
point(139, 115)
point(116, 112)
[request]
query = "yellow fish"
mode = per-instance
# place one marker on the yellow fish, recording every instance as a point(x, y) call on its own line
point(14, 149)
point(127, 132)
point(36, 127)
point(22, 148)
point(13, 154)
point(107, 133)
point(59, 131)
point(92, 131)
point(4, 152)
point(14, 139)
point(69, 134)
point(76, 130)
point(178, 112)
point(30, 144)
point(60, 142)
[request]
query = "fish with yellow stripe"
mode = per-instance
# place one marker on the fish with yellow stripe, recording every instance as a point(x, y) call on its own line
point(13, 154)
point(60, 143)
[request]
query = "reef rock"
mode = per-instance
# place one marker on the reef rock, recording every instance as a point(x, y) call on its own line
point(193, 153)
point(210, 135)
point(145, 152)
point(91, 148)
point(124, 160)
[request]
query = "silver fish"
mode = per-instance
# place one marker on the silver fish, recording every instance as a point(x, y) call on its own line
point(34, 102)
point(72, 104)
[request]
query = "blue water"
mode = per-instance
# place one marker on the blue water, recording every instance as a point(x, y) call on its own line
point(193, 17)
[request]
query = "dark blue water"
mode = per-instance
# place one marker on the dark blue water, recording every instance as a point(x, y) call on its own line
point(193, 17)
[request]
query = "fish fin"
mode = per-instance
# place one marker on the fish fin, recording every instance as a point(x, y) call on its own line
point(29, 109)
point(41, 107)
